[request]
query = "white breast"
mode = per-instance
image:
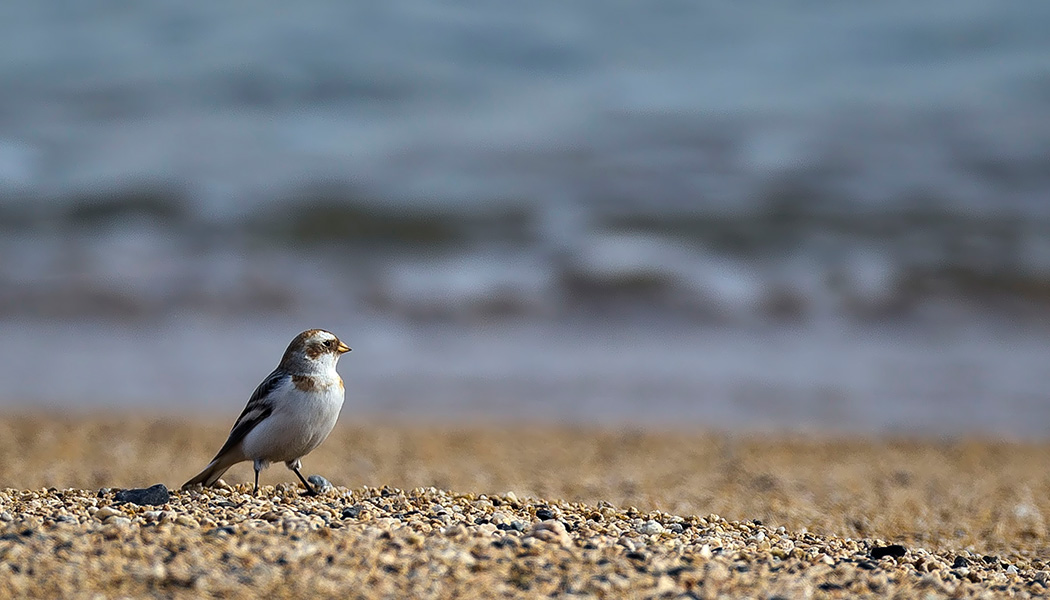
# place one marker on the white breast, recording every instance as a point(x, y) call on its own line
point(300, 421)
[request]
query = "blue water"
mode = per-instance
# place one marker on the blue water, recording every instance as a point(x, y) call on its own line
point(698, 105)
point(467, 186)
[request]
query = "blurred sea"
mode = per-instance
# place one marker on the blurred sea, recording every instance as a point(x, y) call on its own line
point(741, 215)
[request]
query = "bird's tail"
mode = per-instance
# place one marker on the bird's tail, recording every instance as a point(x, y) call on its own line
point(213, 471)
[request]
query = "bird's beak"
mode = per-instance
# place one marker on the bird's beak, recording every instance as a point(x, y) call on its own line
point(343, 348)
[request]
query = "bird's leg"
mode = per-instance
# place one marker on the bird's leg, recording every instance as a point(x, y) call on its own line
point(259, 465)
point(294, 466)
point(310, 491)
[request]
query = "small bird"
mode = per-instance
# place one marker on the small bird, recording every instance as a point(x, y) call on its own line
point(291, 412)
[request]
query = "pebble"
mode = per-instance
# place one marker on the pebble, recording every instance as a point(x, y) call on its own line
point(651, 528)
point(155, 495)
point(352, 512)
point(550, 531)
point(894, 550)
point(320, 483)
point(106, 512)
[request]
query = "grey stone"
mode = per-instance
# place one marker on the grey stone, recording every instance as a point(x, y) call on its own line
point(320, 483)
point(155, 495)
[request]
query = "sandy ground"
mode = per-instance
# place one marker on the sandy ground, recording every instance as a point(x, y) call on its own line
point(684, 511)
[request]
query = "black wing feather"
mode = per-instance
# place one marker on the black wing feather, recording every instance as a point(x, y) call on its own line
point(255, 411)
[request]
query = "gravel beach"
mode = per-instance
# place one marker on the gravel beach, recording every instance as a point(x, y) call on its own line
point(501, 510)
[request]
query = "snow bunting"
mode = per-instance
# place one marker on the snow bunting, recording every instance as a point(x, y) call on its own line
point(291, 412)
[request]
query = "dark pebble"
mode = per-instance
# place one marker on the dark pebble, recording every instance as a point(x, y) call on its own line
point(154, 495)
point(320, 483)
point(635, 555)
point(867, 565)
point(894, 550)
point(221, 531)
point(960, 562)
point(544, 514)
point(505, 542)
point(992, 560)
point(103, 491)
point(352, 512)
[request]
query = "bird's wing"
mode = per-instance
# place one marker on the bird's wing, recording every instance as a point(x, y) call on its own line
point(258, 408)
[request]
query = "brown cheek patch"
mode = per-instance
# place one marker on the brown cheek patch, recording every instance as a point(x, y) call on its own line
point(306, 383)
point(313, 351)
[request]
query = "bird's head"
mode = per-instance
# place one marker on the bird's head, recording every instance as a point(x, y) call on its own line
point(314, 349)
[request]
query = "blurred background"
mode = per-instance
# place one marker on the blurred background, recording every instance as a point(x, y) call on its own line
point(808, 215)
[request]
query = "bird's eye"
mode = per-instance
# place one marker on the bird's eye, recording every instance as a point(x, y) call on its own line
point(328, 343)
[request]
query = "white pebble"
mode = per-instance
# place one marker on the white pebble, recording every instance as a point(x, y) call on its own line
point(650, 528)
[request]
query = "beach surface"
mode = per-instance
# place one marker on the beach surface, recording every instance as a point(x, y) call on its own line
point(512, 510)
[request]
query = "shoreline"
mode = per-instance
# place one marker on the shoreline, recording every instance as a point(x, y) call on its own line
point(965, 511)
